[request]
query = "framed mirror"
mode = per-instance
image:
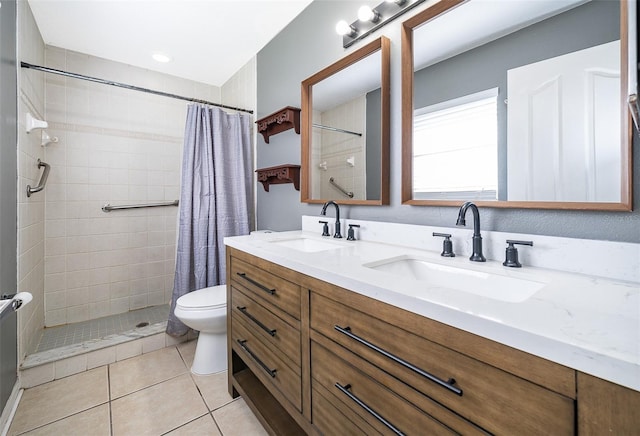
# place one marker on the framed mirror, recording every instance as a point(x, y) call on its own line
point(345, 129)
point(517, 104)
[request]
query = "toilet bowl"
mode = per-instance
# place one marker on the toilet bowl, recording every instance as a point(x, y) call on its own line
point(205, 310)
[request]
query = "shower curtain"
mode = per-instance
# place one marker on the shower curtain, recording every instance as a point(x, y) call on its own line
point(215, 199)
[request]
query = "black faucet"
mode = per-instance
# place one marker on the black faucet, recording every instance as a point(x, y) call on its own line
point(324, 212)
point(476, 256)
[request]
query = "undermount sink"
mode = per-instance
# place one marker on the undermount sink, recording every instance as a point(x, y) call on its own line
point(308, 245)
point(485, 284)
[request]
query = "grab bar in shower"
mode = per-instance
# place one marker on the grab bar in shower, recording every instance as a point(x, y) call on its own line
point(340, 188)
point(43, 179)
point(107, 207)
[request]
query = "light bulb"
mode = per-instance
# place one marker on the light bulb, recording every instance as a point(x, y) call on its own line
point(365, 13)
point(344, 28)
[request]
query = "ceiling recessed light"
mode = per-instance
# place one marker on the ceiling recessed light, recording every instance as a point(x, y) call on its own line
point(161, 57)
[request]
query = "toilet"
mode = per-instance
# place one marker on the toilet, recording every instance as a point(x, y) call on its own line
point(205, 310)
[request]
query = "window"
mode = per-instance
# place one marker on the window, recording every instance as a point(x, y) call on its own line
point(462, 165)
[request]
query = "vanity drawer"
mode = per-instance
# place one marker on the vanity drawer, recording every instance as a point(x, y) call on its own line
point(381, 408)
point(333, 419)
point(495, 400)
point(268, 327)
point(266, 364)
point(266, 286)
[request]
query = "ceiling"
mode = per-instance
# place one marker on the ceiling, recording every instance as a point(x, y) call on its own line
point(208, 40)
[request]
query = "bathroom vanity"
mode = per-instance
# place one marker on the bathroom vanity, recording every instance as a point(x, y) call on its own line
point(323, 341)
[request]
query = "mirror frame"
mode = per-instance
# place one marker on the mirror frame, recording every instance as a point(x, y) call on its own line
point(383, 44)
point(626, 195)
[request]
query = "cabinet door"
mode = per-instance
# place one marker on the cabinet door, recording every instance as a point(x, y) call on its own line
point(606, 408)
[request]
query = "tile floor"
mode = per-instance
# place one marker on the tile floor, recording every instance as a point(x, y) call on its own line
point(76, 333)
point(151, 394)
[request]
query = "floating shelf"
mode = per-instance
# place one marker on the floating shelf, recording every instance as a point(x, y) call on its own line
point(287, 173)
point(279, 121)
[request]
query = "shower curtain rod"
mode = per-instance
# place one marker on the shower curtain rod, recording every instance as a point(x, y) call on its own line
point(126, 86)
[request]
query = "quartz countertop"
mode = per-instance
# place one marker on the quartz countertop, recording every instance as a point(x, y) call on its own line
point(584, 322)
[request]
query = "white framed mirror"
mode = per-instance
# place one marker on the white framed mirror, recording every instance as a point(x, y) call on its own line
point(345, 129)
point(517, 104)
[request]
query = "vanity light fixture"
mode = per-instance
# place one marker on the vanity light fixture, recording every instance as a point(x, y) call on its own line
point(371, 19)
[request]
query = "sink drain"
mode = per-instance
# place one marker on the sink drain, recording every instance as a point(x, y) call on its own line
point(142, 324)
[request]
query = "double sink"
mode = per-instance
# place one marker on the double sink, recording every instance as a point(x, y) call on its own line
point(430, 274)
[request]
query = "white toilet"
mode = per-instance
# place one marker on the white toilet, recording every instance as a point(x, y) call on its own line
point(205, 310)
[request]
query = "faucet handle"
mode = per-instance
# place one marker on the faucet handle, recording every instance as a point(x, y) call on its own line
point(325, 228)
point(350, 234)
point(511, 253)
point(447, 245)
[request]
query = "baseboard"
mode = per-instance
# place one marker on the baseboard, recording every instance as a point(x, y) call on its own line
point(10, 408)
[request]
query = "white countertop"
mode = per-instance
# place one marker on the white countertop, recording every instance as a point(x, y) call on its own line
point(584, 322)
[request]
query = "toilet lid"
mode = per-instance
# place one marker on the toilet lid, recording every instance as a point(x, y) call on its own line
point(205, 298)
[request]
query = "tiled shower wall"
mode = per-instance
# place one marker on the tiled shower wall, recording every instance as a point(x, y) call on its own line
point(114, 146)
point(337, 148)
point(31, 221)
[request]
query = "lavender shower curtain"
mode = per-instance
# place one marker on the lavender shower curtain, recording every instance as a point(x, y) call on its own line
point(215, 199)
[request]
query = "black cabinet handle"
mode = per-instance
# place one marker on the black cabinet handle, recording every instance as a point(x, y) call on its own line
point(448, 384)
point(243, 310)
point(253, 282)
point(271, 372)
point(365, 406)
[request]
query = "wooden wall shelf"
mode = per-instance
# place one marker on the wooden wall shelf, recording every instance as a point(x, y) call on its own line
point(287, 173)
point(279, 121)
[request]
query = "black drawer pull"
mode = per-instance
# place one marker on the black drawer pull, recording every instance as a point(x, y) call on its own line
point(243, 309)
point(359, 402)
point(253, 282)
point(271, 372)
point(445, 384)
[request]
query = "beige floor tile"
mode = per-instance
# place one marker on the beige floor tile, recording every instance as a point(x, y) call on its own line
point(236, 419)
point(214, 389)
point(93, 422)
point(157, 409)
point(188, 351)
point(60, 398)
point(199, 427)
point(142, 371)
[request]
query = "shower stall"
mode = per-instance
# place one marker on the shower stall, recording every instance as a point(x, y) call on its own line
point(96, 253)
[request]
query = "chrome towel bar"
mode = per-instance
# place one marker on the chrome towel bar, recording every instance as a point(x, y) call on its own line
point(340, 188)
point(107, 207)
point(43, 179)
point(335, 129)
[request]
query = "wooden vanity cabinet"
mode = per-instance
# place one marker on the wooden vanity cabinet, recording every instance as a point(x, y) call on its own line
point(267, 330)
point(326, 360)
point(606, 408)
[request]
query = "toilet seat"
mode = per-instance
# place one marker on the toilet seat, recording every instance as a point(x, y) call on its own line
point(208, 298)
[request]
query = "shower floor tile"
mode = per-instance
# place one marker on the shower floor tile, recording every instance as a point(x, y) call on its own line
point(76, 333)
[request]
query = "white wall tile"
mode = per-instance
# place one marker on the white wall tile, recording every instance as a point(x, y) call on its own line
point(128, 349)
point(101, 357)
point(70, 366)
point(37, 375)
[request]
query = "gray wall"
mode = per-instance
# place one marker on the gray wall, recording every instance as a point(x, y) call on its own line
point(8, 200)
point(309, 44)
